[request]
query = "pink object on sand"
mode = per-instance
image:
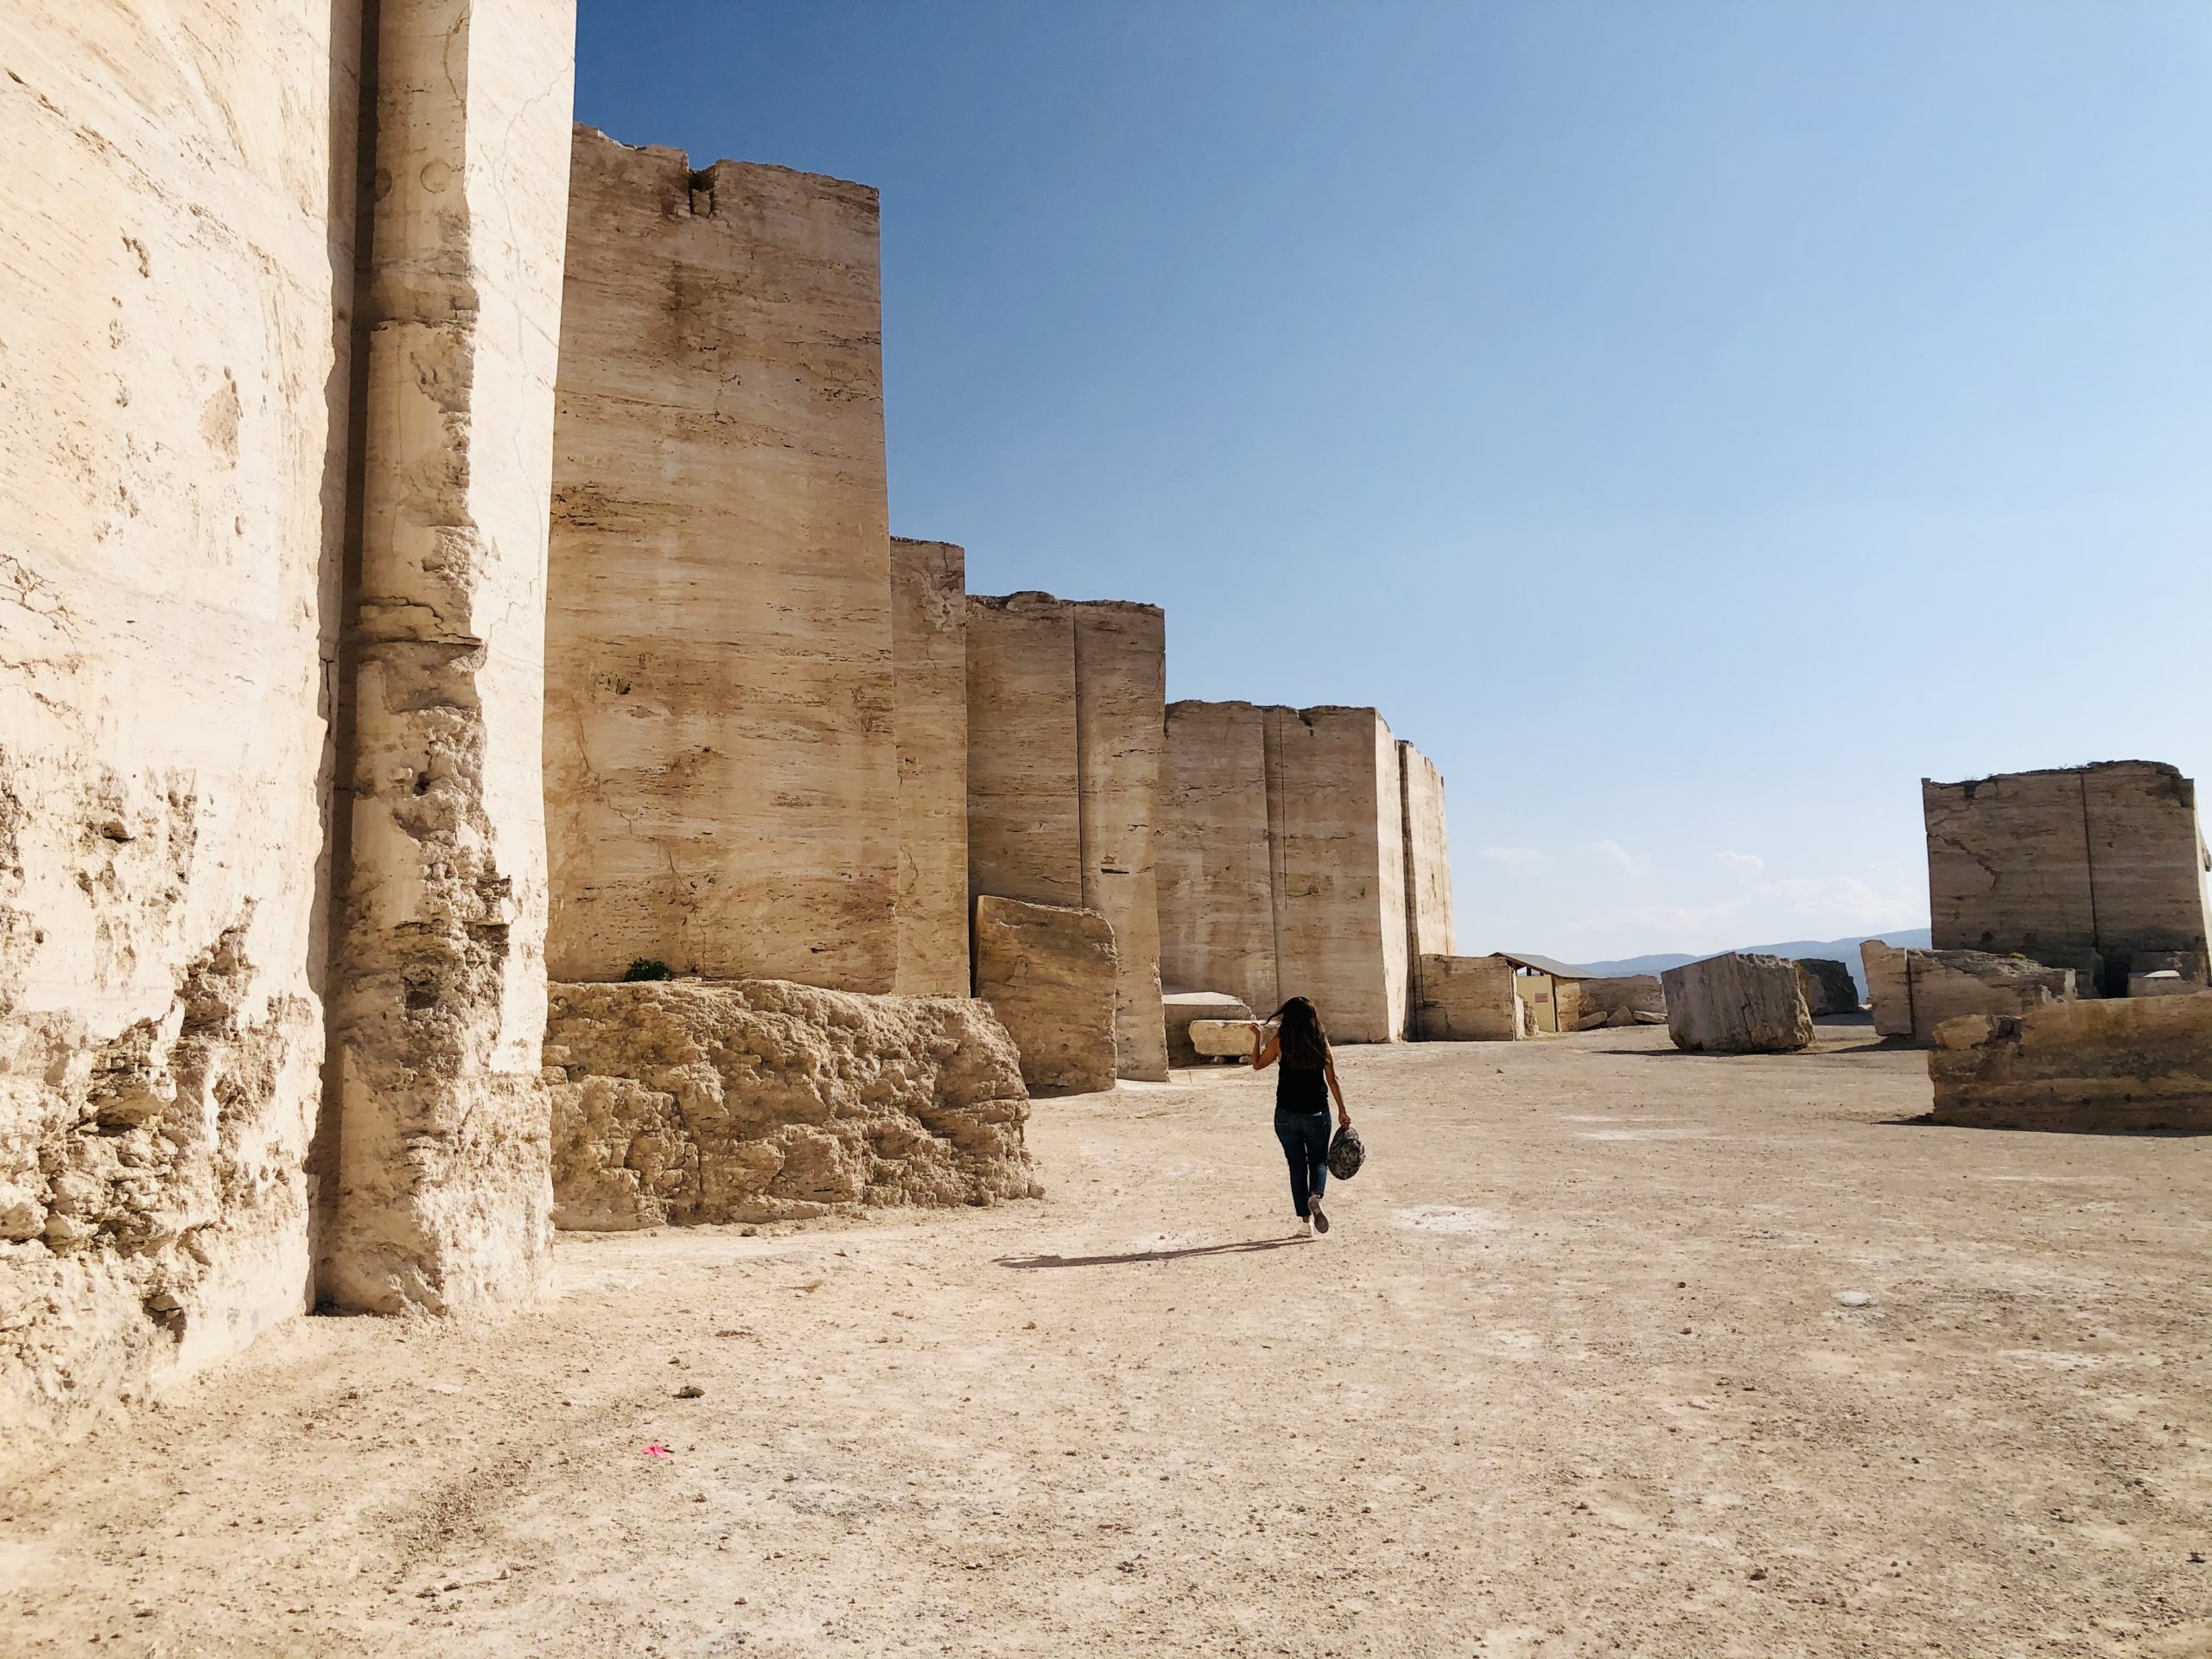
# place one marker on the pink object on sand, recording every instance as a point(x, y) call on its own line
point(656, 1449)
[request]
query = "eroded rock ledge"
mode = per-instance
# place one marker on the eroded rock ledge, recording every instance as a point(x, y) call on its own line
point(760, 1100)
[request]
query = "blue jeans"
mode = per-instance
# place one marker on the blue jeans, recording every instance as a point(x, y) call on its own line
point(1305, 1137)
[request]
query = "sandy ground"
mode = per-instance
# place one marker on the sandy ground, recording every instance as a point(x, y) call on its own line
point(1571, 1375)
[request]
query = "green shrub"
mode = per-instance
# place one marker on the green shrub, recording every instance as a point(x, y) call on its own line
point(646, 967)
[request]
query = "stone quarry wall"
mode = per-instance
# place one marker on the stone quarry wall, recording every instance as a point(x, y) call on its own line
point(176, 224)
point(1334, 823)
point(1066, 702)
point(1217, 894)
point(1468, 1000)
point(1302, 852)
point(2080, 867)
point(1914, 992)
point(438, 993)
point(766, 1101)
point(2115, 1064)
point(722, 764)
point(1050, 974)
point(929, 648)
point(1627, 992)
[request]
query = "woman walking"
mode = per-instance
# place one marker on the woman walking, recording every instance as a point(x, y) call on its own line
point(1303, 1090)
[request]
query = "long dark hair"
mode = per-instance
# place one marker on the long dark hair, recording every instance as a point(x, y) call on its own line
point(1298, 1029)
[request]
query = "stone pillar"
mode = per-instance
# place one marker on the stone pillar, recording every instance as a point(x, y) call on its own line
point(722, 766)
point(929, 648)
point(1121, 656)
point(1216, 902)
point(1429, 930)
point(176, 225)
point(438, 979)
point(1025, 804)
point(1334, 823)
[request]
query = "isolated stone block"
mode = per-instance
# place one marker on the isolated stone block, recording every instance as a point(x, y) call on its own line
point(761, 1100)
point(722, 766)
point(1470, 999)
point(1737, 1004)
point(1221, 1039)
point(1915, 991)
point(1050, 974)
point(2115, 1064)
point(1828, 985)
point(1181, 1008)
point(1629, 993)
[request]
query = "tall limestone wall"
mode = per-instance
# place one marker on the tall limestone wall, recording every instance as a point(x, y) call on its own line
point(1217, 880)
point(1429, 930)
point(929, 650)
point(438, 1117)
point(176, 226)
point(722, 766)
point(1334, 821)
point(2081, 867)
point(1066, 701)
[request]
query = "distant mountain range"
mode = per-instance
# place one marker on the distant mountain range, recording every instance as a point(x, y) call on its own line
point(1843, 951)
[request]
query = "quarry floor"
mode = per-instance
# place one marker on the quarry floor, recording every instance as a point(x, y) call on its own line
point(1572, 1376)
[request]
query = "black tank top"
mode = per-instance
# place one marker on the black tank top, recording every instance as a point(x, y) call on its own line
point(1301, 1088)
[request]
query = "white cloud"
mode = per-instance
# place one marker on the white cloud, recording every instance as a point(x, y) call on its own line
point(1514, 858)
point(1743, 864)
point(1619, 856)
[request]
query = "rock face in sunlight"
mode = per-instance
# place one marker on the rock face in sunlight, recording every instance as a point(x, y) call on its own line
point(929, 648)
point(697, 1101)
point(1050, 972)
point(2114, 1064)
point(1915, 991)
point(1736, 1004)
point(2079, 866)
point(1468, 1000)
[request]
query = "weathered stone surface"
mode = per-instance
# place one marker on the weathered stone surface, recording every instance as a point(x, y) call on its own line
point(177, 255)
point(1828, 986)
point(438, 979)
point(929, 650)
point(698, 1101)
point(2107, 1064)
point(2079, 867)
point(1025, 799)
point(1469, 999)
point(1333, 819)
point(1121, 657)
point(1428, 866)
point(1050, 974)
point(1217, 899)
point(1066, 701)
point(1181, 1008)
point(1915, 991)
point(1634, 992)
point(721, 762)
point(1221, 1039)
point(1736, 1004)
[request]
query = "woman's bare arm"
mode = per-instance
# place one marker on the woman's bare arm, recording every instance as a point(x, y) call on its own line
point(1329, 1071)
point(1267, 1049)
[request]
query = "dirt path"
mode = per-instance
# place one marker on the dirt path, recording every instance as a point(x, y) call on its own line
point(1571, 1376)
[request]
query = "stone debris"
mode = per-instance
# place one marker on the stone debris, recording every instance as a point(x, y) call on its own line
point(1050, 972)
point(2114, 1064)
point(1183, 1008)
point(1828, 986)
point(2078, 867)
point(1470, 999)
point(1221, 1039)
point(1915, 991)
point(759, 1100)
point(1737, 1004)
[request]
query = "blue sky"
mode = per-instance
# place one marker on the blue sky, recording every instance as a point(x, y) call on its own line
point(1690, 423)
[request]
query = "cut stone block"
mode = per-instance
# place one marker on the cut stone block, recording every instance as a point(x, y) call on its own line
point(1221, 1039)
point(929, 639)
point(1050, 974)
point(1737, 1004)
point(1915, 991)
point(760, 1100)
point(1181, 1008)
point(1217, 905)
point(2117, 1063)
point(1632, 993)
point(1470, 999)
point(1828, 985)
